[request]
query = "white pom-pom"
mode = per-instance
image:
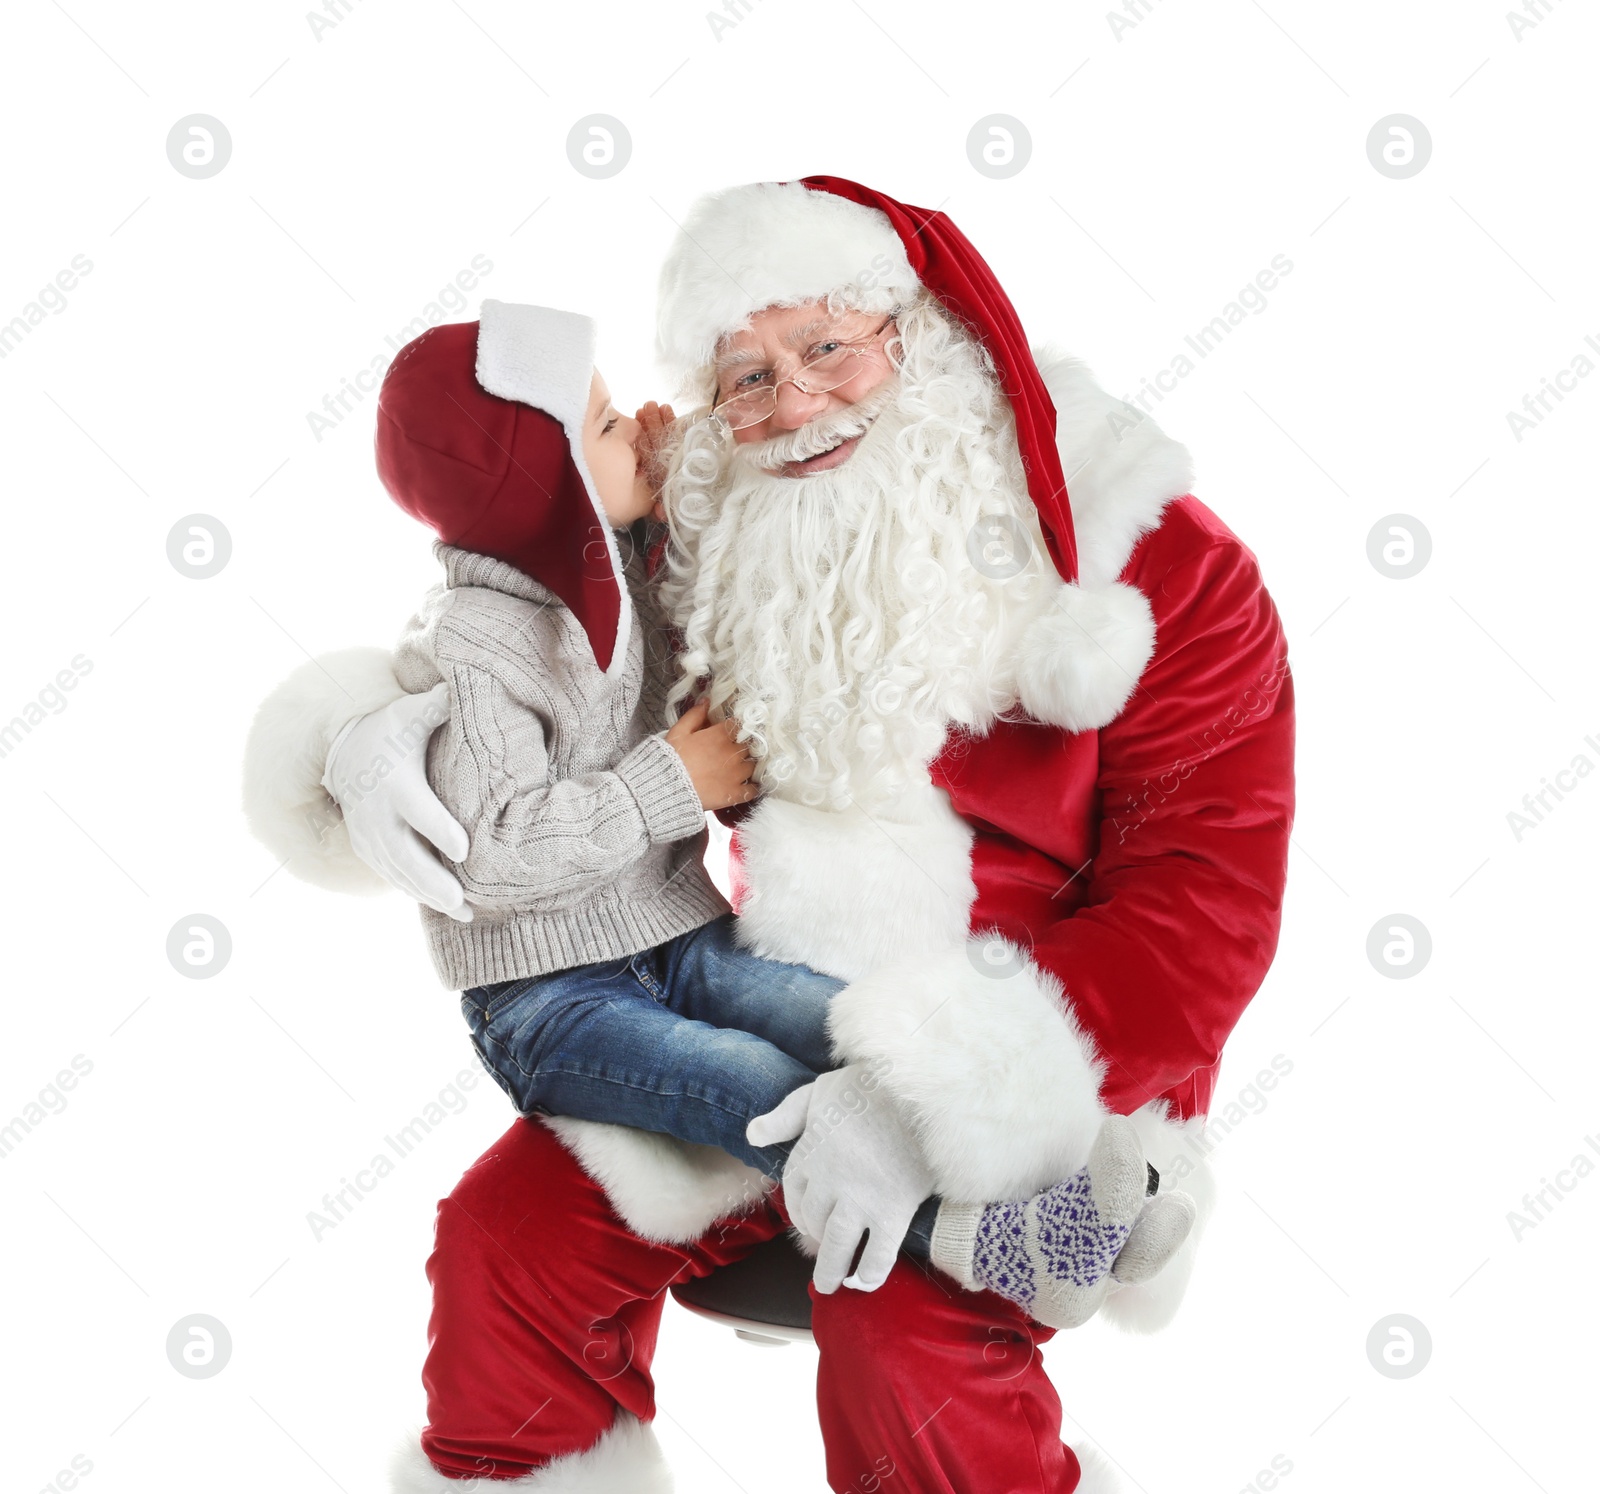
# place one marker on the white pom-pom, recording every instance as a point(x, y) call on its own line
point(1080, 661)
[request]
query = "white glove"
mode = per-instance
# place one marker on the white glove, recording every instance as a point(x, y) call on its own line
point(856, 1168)
point(377, 770)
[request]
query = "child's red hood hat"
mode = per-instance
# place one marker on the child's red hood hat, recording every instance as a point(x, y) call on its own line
point(480, 436)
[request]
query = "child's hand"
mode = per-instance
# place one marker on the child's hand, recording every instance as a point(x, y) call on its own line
point(719, 767)
point(655, 423)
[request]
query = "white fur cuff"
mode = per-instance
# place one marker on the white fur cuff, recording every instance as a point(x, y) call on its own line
point(981, 1050)
point(1177, 1150)
point(663, 1189)
point(286, 753)
point(1098, 1476)
point(627, 1456)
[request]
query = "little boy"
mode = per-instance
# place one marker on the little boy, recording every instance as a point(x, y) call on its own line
point(599, 972)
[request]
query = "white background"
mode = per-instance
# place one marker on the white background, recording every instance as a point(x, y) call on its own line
point(1169, 164)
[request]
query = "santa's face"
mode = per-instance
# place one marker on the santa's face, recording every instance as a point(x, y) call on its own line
point(840, 614)
point(801, 368)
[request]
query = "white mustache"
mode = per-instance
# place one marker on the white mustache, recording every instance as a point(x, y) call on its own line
point(821, 434)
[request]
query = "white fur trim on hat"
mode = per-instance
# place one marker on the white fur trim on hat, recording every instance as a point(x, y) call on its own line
point(543, 357)
point(768, 244)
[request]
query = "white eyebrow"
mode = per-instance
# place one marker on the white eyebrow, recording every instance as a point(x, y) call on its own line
point(800, 334)
point(740, 357)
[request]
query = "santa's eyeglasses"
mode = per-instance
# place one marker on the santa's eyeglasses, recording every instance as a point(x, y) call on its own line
point(745, 401)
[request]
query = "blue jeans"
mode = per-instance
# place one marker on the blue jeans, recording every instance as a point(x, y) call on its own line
point(694, 1038)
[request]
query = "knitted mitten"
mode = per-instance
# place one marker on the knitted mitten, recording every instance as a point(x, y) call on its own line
point(1162, 1226)
point(1054, 1254)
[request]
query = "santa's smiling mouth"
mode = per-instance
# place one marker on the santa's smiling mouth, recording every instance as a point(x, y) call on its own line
point(835, 456)
point(797, 454)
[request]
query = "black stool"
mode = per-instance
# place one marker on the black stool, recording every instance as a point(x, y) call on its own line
point(763, 1296)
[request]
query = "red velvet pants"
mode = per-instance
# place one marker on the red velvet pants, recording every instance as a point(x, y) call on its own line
point(546, 1308)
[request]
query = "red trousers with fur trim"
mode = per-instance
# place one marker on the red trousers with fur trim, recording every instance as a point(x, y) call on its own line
point(546, 1308)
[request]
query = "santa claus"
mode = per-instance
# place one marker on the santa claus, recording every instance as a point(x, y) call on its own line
point(1028, 785)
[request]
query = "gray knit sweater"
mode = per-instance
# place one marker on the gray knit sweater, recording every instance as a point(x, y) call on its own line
point(587, 835)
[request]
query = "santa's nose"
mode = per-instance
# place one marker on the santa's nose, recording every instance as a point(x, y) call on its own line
point(795, 407)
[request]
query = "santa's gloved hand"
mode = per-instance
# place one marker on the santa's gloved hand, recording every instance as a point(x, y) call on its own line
point(855, 1169)
point(377, 770)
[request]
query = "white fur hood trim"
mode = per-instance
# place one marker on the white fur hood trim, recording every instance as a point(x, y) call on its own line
point(626, 1457)
point(537, 356)
point(286, 754)
point(663, 1189)
point(545, 358)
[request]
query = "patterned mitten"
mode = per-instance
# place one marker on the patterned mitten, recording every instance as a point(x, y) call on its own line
point(1162, 1226)
point(1053, 1254)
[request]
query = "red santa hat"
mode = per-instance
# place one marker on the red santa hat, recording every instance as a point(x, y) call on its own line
point(785, 243)
point(480, 436)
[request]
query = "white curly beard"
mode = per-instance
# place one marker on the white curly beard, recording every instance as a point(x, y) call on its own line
point(841, 617)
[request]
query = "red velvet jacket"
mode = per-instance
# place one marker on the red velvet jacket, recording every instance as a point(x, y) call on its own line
point(1143, 864)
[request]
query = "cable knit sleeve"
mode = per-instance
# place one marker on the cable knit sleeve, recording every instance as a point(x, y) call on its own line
point(539, 838)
